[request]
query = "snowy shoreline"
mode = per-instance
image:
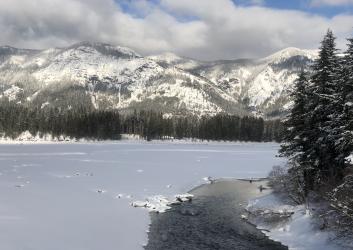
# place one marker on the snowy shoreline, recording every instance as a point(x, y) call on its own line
point(28, 138)
point(293, 225)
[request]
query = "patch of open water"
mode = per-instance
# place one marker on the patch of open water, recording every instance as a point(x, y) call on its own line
point(213, 220)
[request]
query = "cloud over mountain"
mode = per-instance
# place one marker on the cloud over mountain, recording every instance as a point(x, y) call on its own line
point(204, 29)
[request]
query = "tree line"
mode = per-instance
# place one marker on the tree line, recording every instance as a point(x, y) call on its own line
point(318, 132)
point(81, 122)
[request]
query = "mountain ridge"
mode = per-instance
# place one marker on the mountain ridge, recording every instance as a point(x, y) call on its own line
point(104, 76)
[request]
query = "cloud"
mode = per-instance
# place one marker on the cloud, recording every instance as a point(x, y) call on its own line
point(204, 29)
point(251, 31)
point(317, 3)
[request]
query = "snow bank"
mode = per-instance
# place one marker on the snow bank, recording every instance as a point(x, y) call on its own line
point(293, 226)
point(160, 203)
point(27, 138)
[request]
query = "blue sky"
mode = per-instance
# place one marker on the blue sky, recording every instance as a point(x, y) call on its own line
point(307, 6)
point(327, 10)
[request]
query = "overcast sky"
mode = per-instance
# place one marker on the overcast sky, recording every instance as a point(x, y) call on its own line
point(202, 29)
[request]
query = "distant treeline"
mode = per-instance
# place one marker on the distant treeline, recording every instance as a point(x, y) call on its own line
point(100, 124)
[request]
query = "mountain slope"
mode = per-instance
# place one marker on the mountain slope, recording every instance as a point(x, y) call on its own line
point(260, 84)
point(102, 76)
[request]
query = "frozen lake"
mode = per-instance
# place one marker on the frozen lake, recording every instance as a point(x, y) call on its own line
point(64, 196)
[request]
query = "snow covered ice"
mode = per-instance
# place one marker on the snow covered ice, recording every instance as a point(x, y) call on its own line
point(78, 195)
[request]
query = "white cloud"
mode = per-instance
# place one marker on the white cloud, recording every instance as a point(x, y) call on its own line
point(251, 31)
point(204, 29)
point(317, 3)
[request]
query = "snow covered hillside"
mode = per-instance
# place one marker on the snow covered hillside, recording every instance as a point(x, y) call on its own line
point(260, 85)
point(104, 76)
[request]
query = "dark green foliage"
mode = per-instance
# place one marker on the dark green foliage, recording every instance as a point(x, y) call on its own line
point(79, 123)
point(151, 125)
point(227, 127)
point(273, 131)
point(99, 124)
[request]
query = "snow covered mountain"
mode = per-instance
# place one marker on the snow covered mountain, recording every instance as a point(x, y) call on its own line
point(261, 85)
point(102, 76)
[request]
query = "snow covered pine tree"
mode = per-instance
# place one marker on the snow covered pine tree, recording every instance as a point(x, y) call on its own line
point(322, 109)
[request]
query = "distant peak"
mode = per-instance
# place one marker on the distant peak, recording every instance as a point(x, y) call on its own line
point(106, 48)
point(294, 51)
point(291, 52)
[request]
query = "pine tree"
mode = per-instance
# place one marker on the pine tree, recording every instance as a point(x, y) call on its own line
point(295, 143)
point(343, 129)
point(322, 106)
